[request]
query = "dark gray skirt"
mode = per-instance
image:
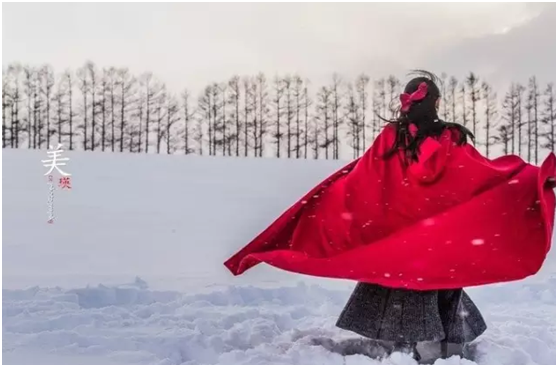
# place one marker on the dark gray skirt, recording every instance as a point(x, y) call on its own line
point(401, 315)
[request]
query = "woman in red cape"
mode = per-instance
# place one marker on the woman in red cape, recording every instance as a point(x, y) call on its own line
point(419, 216)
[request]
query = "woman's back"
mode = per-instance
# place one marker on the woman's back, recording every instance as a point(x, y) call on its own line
point(398, 193)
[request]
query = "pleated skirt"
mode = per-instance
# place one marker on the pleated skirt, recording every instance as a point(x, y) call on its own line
point(401, 315)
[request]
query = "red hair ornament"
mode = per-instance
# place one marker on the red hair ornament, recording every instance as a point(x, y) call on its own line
point(418, 95)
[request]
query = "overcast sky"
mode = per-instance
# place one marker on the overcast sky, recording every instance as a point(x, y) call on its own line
point(188, 45)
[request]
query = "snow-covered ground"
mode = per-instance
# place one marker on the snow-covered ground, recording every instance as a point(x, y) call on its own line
point(131, 271)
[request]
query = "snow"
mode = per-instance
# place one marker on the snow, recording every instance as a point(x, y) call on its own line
point(130, 272)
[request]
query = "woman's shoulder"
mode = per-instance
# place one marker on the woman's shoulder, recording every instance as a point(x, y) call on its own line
point(383, 141)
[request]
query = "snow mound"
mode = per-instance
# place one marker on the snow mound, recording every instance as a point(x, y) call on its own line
point(243, 325)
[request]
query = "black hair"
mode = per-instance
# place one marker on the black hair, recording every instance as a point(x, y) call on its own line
point(424, 115)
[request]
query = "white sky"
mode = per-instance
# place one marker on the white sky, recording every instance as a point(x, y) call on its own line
point(188, 45)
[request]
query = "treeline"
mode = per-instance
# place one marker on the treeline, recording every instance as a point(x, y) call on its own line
point(110, 109)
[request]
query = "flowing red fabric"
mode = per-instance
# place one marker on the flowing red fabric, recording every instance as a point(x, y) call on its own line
point(453, 219)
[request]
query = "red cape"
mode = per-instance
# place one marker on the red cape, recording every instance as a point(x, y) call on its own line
point(453, 219)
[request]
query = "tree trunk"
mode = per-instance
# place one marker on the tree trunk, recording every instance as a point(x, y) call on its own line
point(112, 140)
point(536, 119)
point(122, 114)
point(103, 121)
point(306, 126)
point(70, 113)
point(147, 117)
point(93, 110)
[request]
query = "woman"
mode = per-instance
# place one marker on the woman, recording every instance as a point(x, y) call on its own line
point(404, 317)
point(418, 217)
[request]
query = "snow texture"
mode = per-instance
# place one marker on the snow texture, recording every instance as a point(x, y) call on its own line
point(131, 271)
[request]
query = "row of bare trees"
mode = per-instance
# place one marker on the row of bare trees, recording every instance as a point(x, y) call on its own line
point(110, 109)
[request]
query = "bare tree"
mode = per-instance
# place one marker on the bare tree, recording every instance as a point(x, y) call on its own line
point(215, 113)
point(279, 90)
point(529, 110)
point(323, 119)
point(47, 87)
point(298, 91)
point(503, 137)
point(376, 120)
point(60, 106)
point(38, 123)
point(188, 115)
point(14, 75)
point(254, 121)
point(316, 136)
point(172, 117)
point(228, 131)
point(489, 98)
point(205, 113)
point(104, 109)
point(248, 112)
point(91, 70)
point(452, 97)
point(393, 86)
point(464, 113)
point(307, 104)
point(380, 104)
point(549, 119)
point(112, 85)
point(234, 101)
point(336, 114)
point(149, 94)
point(288, 84)
point(160, 103)
point(201, 116)
point(445, 98)
point(69, 82)
point(84, 87)
point(380, 92)
point(131, 134)
point(352, 111)
point(126, 87)
point(138, 118)
point(263, 112)
point(198, 137)
point(509, 115)
point(535, 95)
point(6, 103)
point(361, 86)
point(472, 82)
point(152, 94)
point(519, 89)
point(29, 88)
